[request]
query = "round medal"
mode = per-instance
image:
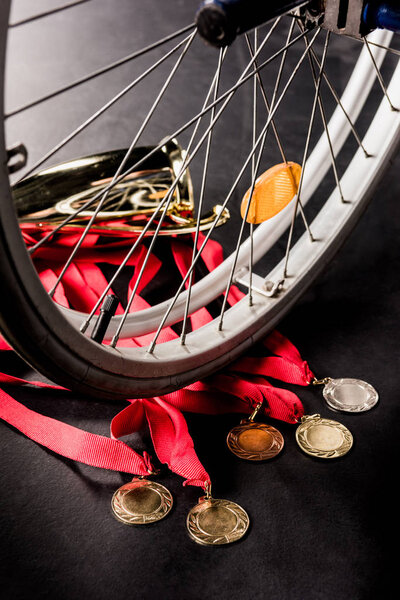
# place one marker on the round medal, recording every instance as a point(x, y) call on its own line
point(323, 438)
point(350, 395)
point(214, 522)
point(140, 502)
point(255, 441)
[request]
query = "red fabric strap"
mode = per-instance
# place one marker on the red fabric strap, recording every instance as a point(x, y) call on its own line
point(170, 435)
point(287, 365)
point(171, 439)
point(81, 287)
point(74, 443)
point(228, 393)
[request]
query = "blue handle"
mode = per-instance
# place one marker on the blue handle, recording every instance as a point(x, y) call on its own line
point(382, 15)
point(220, 21)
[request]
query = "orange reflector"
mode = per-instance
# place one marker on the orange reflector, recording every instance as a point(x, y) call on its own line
point(273, 190)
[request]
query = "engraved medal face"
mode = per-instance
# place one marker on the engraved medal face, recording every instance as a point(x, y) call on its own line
point(255, 441)
point(214, 522)
point(140, 502)
point(323, 438)
point(350, 395)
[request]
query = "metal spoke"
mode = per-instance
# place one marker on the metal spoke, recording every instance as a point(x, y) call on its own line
point(98, 72)
point(225, 96)
point(169, 196)
point(47, 13)
point(276, 88)
point(104, 108)
point(256, 81)
point(387, 48)
point(199, 252)
point(339, 102)
point(305, 155)
point(201, 198)
point(325, 123)
point(277, 137)
point(379, 75)
point(86, 323)
point(282, 63)
point(242, 170)
point(254, 177)
point(124, 161)
point(239, 240)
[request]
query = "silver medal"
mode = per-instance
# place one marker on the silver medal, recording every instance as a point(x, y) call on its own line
point(350, 395)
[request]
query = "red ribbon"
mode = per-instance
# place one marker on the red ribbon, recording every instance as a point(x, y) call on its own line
point(81, 287)
point(287, 365)
point(170, 435)
point(71, 442)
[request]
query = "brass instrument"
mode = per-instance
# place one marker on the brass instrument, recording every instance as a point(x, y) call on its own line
point(44, 200)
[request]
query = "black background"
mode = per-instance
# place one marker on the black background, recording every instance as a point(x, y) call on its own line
point(320, 530)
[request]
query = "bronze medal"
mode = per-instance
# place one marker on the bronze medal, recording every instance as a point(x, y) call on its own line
point(140, 502)
point(323, 438)
point(255, 441)
point(215, 522)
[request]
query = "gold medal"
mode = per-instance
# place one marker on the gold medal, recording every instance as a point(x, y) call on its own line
point(215, 522)
point(140, 502)
point(255, 441)
point(323, 438)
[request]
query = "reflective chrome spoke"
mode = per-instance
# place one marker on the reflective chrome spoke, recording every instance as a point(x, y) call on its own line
point(226, 96)
point(124, 161)
point(169, 196)
point(118, 272)
point(110, 186)
point(207, 237)
point(387, 48)
point(256, 82)
point(238, 178)
point(240, 236)
point(112, 221)
point(276, 134)
point(325, 124)
point(283, 62)
point(105, 107)
point(276, 88)
point(201, 198)
point(305, 155)
point(168, 199)
point(257, 79)
point(379, 75)
point(101, 71)
point(48, 13)
point(161, 205)
point(339, 103)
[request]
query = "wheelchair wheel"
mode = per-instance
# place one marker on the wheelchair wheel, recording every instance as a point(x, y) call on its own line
point(178, 93)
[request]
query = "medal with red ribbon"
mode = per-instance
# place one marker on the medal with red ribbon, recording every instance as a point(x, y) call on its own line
point(319, 437)
point(347, 395)
point(243, 388)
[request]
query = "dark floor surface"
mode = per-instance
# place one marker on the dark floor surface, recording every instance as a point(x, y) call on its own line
point(320, 530)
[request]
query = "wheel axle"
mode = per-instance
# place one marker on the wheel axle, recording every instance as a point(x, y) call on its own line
point(220, 21)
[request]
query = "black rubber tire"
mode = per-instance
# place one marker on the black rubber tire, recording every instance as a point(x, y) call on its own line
point(38, 332)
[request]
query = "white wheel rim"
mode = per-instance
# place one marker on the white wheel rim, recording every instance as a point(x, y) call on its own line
point(266, 235)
